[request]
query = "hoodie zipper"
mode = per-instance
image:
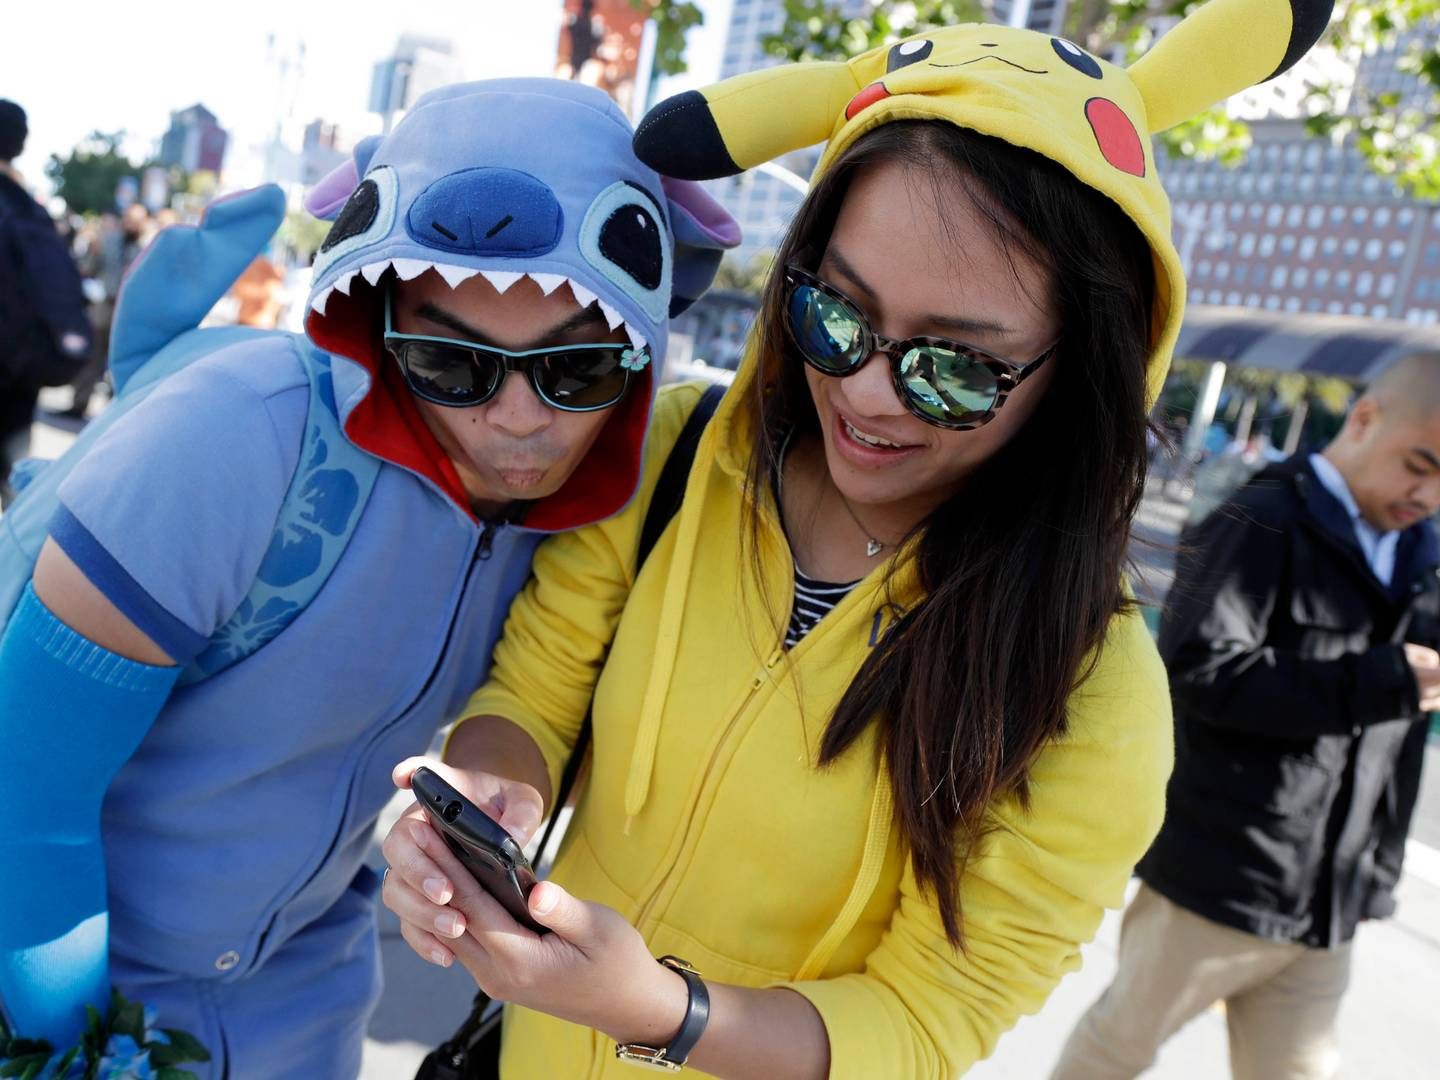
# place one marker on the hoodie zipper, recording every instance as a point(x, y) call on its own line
point(483, 549)
point(481, 553)
point(740, 709)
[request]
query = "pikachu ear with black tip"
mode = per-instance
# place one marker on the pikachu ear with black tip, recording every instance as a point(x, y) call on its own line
point(1223, 48)
point(744, 121)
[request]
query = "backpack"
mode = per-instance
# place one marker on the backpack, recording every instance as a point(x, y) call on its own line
point(44, 328)
point(156, 334)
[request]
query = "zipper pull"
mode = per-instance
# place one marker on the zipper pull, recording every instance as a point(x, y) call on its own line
point(487, 540)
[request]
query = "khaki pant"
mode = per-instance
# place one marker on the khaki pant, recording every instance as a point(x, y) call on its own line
point(1281, 1001)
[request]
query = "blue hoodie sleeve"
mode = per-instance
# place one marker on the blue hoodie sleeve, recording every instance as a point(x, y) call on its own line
point(173, 508)
point(71, 714)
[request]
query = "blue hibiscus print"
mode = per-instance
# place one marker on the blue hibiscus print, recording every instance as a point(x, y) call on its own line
point(125, 1060)
point(331, 495)
point(297, 549)
point(246, 631)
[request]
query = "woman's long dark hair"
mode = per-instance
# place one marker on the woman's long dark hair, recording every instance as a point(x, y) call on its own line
point(1021, 569)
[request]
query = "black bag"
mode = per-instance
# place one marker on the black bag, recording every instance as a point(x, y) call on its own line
point(44, 327)
point(473, 1052)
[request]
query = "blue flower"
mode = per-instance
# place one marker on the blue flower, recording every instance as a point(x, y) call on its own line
point(152, 1033)
point(125, 1060)
point(634, 359)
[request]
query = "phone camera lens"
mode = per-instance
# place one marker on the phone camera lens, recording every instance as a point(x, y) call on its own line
point(451, 811)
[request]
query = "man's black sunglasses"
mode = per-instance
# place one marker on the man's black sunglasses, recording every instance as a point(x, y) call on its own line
point(460, 374)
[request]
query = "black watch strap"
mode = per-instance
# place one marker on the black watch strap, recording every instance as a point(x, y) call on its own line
point(697, 1014)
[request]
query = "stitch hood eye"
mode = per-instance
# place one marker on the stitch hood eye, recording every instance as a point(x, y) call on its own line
point(365, 219)
point(625, 237)
point(1076, 57)
point(358, 215)
point(907, 53)
point(630, 238)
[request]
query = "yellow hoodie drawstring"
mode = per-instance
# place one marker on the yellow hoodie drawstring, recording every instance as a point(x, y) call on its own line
point(667, 646)
point(877, 840)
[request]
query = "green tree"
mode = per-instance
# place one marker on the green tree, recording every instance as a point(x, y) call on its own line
point(1402, 144)
point(672, 19)
point(819, 30)
point(86, 178)
point(303, 234)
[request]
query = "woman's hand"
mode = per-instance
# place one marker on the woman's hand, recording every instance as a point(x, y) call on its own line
point(423, 872)
point(592, 969)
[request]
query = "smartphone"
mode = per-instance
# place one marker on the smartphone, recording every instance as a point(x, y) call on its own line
point(490, 853)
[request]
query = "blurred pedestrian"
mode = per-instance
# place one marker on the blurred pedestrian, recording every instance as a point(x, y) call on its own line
point(44, 333)
point(1300, 639)
point(257, 293)
point(119, 244)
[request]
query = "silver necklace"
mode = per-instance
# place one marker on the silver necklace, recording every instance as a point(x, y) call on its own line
point(873, 545)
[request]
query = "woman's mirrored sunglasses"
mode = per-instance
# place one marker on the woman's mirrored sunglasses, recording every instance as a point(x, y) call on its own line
point(945, 383)
point(460, 374)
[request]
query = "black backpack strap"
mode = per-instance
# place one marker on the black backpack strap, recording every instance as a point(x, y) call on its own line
point(664, 504)
point(670, 489)
point(473, 1051)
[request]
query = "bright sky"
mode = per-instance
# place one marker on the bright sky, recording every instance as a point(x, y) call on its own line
point(110, 66)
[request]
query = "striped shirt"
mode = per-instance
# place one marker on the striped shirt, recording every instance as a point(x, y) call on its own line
point(813, 601)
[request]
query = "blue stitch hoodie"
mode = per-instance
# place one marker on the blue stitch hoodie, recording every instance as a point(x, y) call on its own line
point(245, 814)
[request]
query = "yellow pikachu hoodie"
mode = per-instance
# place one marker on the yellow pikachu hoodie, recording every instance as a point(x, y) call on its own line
point(705, 820)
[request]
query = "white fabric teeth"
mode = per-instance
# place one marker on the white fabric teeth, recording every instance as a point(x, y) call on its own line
point(454, 275)
point(613, 318)
point(372, 272)
point(502, 280)
point(409, 269)
point(549, 282)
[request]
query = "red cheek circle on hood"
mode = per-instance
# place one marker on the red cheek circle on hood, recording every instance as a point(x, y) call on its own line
point(865, 98)
point(1116, 136)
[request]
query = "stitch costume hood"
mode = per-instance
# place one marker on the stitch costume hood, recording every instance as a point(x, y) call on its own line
point(570, 208)
point(1032, 90)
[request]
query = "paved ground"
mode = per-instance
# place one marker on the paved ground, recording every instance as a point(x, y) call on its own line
point(1385, 1026)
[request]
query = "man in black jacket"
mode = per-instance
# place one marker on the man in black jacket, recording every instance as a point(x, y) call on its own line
point(44, 330)
point(1299, 636)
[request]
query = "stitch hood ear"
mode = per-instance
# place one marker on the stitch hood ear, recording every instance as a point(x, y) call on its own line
point(744, 121)
point(703, 231)
point(326, 199)
point(1223, 48)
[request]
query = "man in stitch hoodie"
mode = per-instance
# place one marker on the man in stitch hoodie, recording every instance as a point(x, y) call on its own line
point(286, 566)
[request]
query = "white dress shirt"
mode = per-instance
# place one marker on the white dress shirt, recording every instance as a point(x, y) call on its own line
point(1379, 548)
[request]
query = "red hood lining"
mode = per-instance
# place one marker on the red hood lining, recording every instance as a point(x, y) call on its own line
point(388, 424)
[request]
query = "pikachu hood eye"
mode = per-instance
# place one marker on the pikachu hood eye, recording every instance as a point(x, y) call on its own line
point(1077, 58)
point(907, 53)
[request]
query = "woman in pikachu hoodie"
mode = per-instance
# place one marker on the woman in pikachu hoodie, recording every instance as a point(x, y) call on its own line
point(878, 733)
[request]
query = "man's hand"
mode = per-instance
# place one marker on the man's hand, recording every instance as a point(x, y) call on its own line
point(424, 876)
point(1425, 664)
